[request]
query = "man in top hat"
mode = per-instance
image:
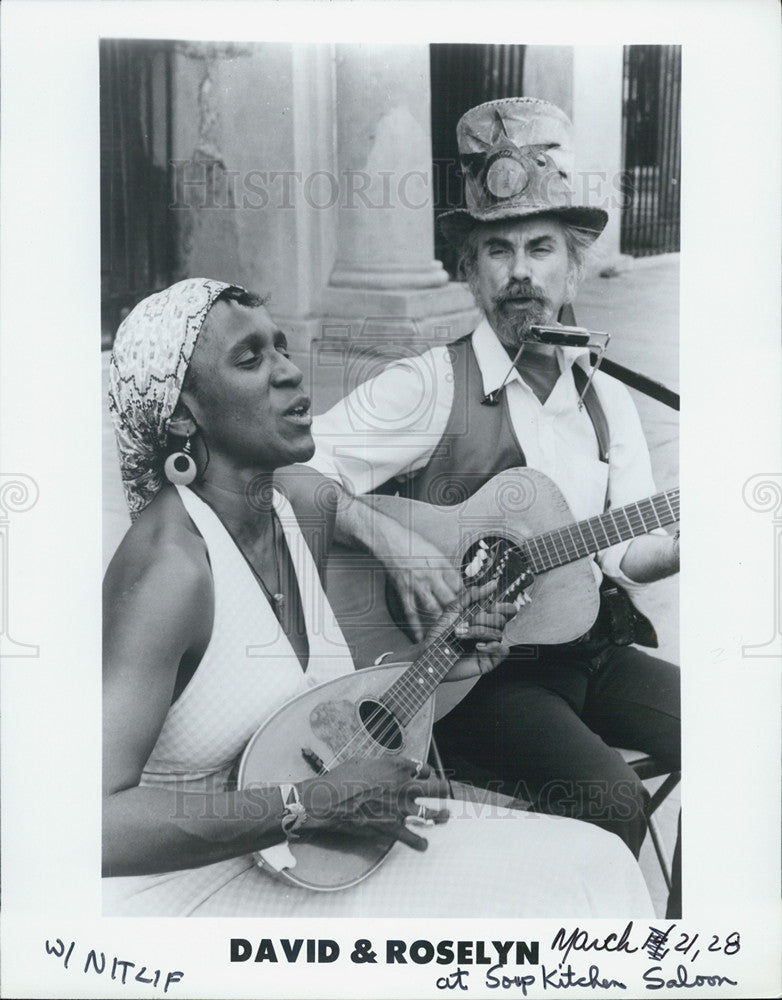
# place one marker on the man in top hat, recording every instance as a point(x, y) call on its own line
point(439, 426)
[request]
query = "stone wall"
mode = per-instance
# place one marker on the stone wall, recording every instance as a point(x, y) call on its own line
point(586, 82)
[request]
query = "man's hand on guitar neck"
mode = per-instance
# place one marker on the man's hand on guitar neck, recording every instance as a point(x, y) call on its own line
point(481, 637)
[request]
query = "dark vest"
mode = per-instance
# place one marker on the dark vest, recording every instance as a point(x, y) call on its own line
point(479, 440)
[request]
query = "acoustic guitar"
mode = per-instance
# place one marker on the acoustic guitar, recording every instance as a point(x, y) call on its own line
point(516, 529)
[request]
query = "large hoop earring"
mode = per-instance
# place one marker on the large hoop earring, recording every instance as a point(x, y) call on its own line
point(179, 468)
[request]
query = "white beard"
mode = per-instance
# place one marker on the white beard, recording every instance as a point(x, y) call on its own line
point(512, 328)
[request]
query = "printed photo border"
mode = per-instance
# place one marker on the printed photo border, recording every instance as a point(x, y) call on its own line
point(50, 505)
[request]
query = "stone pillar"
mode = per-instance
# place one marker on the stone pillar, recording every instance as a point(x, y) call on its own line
point(548, 74)
point(254, 172)
point(383, 159)
point(385, 283)
point(597, 121)
point(586, 82)
point(304, 171)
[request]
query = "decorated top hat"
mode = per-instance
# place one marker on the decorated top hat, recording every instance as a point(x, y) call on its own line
point(517, 159)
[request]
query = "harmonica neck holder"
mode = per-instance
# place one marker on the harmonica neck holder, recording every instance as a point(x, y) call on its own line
point(574, 336)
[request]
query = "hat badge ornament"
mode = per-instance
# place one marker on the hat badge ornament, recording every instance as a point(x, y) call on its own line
point(510, 171)
point(507, 168)
point(517, 161)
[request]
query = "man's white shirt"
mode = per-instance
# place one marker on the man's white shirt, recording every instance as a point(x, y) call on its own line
point(390, 426)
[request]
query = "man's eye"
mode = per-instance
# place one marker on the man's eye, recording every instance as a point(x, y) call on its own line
point(248, 360)
point(541, 251)
point(497, 251)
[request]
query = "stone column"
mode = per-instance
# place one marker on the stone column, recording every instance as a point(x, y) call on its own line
point(597, 139)
point(305, 171)
point(548, 74)
point(253, 137)
point(586, 82)
point(385, 283)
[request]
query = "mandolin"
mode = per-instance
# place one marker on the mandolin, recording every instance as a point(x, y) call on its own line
point(387, 709)
point(518, 530)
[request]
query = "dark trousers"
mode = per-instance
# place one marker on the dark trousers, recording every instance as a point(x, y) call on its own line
point(545, 727)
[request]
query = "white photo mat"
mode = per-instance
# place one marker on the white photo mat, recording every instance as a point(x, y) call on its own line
point(50, 405)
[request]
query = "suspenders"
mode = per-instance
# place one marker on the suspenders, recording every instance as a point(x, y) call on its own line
point(594, 409)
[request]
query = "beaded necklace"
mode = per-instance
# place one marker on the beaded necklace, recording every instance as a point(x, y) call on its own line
point(276, 599)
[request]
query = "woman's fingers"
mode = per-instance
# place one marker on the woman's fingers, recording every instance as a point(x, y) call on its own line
point(419, 769)
point(393, 824)
point(413, 840)
point(388, 799)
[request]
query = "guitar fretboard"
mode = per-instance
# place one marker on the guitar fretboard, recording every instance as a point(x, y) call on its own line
point(553, 548)
point(582, 538)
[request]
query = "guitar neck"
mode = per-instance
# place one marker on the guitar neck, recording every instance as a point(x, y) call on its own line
point(583, 538)
point(407, 695)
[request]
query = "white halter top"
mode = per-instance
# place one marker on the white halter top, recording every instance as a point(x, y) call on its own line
point(249, 668)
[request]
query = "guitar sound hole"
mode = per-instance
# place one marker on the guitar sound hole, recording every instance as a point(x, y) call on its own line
point(381, 725)
point(480, 559)
point(493, 557)
point(488, 555)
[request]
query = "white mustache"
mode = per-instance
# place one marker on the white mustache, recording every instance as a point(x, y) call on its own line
point(529, 294)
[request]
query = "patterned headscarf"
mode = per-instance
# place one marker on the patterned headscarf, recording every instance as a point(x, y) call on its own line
point(151, 356)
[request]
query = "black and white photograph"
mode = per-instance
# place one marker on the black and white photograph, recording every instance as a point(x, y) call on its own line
point(379, 656)
point(569, 715)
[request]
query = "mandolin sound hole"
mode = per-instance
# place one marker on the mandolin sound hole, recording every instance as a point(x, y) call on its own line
point(381, 725)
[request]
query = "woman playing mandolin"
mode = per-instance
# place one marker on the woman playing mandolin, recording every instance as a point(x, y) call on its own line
point(215, 618)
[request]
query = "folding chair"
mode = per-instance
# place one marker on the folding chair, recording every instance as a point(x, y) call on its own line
point(646, 768)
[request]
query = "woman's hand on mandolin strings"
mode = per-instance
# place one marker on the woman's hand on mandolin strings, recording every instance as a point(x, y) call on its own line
point(374, 797)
